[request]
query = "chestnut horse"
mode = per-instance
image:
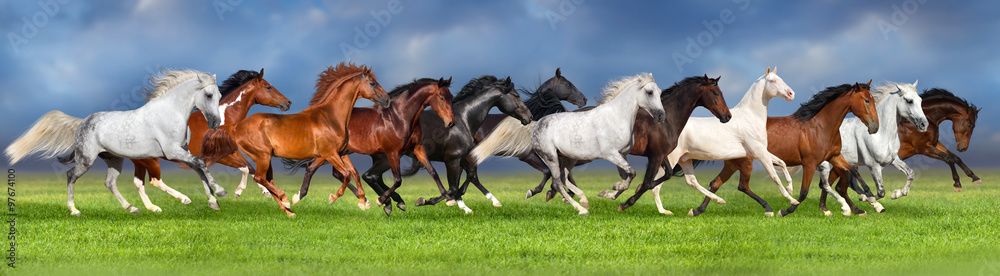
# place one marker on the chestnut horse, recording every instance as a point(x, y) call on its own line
point(940, 105)
point(811, 136)
point(319, 131)
point(387, 131)
point(241, 91)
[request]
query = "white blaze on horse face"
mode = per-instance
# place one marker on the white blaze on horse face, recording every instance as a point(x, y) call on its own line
point(776, 87)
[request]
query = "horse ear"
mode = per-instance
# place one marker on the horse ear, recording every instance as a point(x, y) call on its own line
point(768, 71)
point(261, 75)
point(706, 78)
point(869, 82)
point(507, 82)
point(558, 73)
point(915, 83)
point(448, 82)
point(717, 79)
point(775, 70)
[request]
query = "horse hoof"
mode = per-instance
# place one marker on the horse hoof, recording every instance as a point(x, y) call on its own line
point(237, 194)
point(794, 202)
point(265, 193)
point(286, 204)
point(863, 214)
point(368, 204)
point(879, 208)
point(620, 186)
point(295, 199)
point(467, 211)
point(897, 194)
point(291, 215)
point(527, 196)
point(420, 202)
point(606, 194)
point(550, 195)
point(214, 205)
point(783, 213)
point(221, 193)
point(75, 213)
point(720, 201)
point(378, 201)
point(862, 198)
point(977, 182)
point(401, 206)
point(621, 207)
point(958, 189)
point(387, 209)
point(585, 204)
point(451, 202)
point(133, 210)
point(156, 209)
point(846, 212)
point(667, 213)
point(771, 214)
point(690, 212)
point(584, 212)
point(497, 204)
point(331, 199)
point(362, 206)
point(185, 200)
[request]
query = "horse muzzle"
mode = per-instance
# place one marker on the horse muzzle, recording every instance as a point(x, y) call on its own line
point(659, 116)
point(962, 147)
point(580, 103)
point(725, 118)
point(213, 122)
point(383, 101)
point(285, 106)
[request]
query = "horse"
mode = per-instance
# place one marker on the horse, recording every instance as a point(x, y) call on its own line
point(241, 91)
point(744, 136)
point(156, 129)
point(318, 131)
point(880, 149)
point(452, 145)
point(940, 105)
point(810, 135)
point(387, 131)
point(515, 141)
point(652, 140)
point(603, 132)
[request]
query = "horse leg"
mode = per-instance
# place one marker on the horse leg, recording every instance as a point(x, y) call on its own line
point(307, 179)
point(397, 180)
point(421, 154)
point(140, 185)
point(156, 179)
point(876, 172)
point(825, 179)
point(766, 161)
point(111, 182)
point(728, 169)
point(572, 186)
point(808, 169)
point(910, 176)
point(784, 169)
point(83, 164)
point(344, 166)
point(941, 153)
point(236, 160)
point(472, 173)
point(744, 187)
point(373, 176)
point(534, 162)
point(975, 179)
point(262, 177)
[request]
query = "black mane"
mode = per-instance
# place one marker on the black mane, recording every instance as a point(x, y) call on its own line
point(413, 85)
point(477, 85)
point(942, 94)
point(809, 109)
point(683, 83)
point(236, 80)
point(542, 103)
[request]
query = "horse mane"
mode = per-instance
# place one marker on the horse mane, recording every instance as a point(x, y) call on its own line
point(884, 89)
point(683, 83)
point(615, 88)
point(417, 83)
point(942, 94)
point(476, 85)
point(542, 103)
point(334, 77)
point(167, 79)
point(809, 109)
point(236, 80)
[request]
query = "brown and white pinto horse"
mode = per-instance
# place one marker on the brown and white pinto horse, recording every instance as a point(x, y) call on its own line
point(241, 91)
point(319, 131)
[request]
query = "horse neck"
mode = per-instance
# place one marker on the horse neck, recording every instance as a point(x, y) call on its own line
point(831, 116)
point(179, 99)
point(623, 104)
point(339, 105)
point(888, 116)
point(235, 109)
point(403, 106)
point(940, 111)
point(679, 107)
point(470, 113)
point(755, 101)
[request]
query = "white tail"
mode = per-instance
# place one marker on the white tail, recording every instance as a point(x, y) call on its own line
point(54, 134)
point(509, 138)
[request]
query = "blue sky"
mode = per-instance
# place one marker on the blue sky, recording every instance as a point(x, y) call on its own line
point(86, 57)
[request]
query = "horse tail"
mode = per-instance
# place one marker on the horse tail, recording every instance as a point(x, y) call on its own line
point(53, 134)
point(218, 144)
point(509, 138)
point(293, 165)
point(414, 167)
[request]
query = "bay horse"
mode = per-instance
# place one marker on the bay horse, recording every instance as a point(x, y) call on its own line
point(387, 131)
point(240, 91)
point(452, 145)
point(156, 129)
point(810, 136)
point(940, 105)
point(895, 102)
point(746, 136)
point(603, 132)
point(319, 131)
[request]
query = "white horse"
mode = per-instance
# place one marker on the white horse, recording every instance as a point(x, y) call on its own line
point(157, 129)
point(876, 151)
point(745, 135)
point(604, 132)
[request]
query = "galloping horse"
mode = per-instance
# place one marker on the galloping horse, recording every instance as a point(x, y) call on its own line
point(386, 131)
point(603, 132)
point(241, 91)
point(154, 130)
point(940, 105)
point(746, 136)
point(319, 131)
point(879, 149)
point(811, 135)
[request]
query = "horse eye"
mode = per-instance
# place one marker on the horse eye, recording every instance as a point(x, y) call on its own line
point(866, 101)
point(567, 85)
point(909, 101)
point(371, 83)
point(269, 88)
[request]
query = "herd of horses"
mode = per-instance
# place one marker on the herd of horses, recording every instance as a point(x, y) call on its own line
point(891, 123)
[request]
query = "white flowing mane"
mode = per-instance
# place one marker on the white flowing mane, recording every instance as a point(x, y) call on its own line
point(615, 88)
point(882, 92)
point(166, 80)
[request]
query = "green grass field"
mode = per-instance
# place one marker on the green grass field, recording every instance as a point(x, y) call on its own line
point(933, 230)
